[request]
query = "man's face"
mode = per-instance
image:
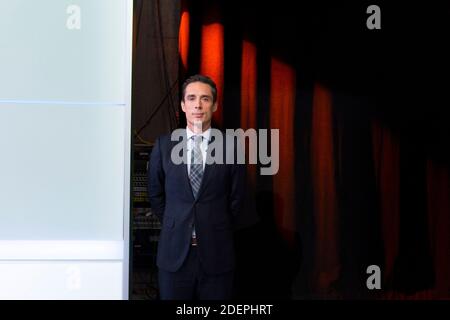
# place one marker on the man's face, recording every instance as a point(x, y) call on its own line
point(198, 106)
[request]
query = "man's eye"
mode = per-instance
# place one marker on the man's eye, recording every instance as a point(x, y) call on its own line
point(205, 99)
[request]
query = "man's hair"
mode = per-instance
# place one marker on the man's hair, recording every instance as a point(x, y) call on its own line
point(203, 79)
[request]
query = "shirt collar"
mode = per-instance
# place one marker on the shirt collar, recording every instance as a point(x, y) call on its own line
point(205, 134)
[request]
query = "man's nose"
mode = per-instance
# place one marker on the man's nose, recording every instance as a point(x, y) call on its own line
point(198, 104)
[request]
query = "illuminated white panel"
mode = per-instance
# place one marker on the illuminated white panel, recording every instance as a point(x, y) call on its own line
point(62, 176)
point(65, 114)
point(42, 59)
point(60, 280)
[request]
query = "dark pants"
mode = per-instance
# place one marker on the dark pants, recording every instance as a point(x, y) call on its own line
point(190, 282)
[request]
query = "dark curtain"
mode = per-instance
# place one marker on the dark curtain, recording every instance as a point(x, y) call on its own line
point(364, 140)
point(155, 105)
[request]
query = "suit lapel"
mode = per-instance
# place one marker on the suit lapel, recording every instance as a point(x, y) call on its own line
point(182, 170)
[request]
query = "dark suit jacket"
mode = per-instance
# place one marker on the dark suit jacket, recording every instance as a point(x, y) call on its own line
point(218, 203)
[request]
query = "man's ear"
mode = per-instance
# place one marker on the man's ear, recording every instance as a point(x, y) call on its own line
point(214, 108)
point(182, 106)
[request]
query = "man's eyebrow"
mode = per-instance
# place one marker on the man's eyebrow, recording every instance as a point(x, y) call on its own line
point(189, 95)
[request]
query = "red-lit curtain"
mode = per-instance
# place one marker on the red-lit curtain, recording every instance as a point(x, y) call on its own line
point(212, 53)
point(282, 107)
point(183, 36)
point(267, 96)
point(386, 165)
point(248, 101)
point(324, 191)
point(438, 195)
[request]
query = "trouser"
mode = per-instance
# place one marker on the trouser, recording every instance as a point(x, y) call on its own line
point(191, 282)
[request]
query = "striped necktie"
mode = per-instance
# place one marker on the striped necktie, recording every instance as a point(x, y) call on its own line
point(196, 169)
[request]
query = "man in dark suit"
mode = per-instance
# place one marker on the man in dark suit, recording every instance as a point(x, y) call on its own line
point(197, 202)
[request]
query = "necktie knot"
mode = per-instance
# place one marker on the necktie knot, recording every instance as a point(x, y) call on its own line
point(197, 139)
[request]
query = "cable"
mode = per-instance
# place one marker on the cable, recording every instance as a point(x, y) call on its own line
point(166, 79)
point(164, 64)
point(137, 132)
point(142, 139)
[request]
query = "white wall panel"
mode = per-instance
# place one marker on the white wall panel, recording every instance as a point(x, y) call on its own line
point(65, 106)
